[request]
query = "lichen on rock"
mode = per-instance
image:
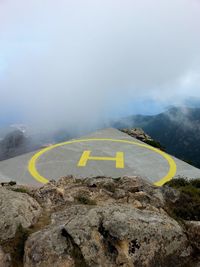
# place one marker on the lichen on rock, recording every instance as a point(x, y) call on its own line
point(99, 222)
point(16, 209)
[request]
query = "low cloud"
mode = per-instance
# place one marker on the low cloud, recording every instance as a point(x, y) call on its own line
point(72, 64)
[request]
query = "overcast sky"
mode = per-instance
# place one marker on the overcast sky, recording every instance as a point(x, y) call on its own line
point(82, 62)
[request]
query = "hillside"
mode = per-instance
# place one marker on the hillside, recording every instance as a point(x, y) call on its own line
point(178, 130)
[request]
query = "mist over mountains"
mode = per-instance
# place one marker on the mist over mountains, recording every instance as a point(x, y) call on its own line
point(18, 139)
point(177, 129)
point(77, 63)
point(67, 69)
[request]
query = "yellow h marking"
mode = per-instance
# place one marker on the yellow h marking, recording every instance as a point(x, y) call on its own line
point(119, 159)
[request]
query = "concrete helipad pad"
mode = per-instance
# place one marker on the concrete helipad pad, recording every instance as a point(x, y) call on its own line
point(107, 152)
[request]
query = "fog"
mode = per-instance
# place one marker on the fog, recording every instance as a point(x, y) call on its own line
point(79, 64)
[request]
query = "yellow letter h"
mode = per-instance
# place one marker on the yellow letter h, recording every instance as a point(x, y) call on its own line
point(119, 159)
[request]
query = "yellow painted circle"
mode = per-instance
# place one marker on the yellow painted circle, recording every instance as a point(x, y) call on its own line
point(33, 170)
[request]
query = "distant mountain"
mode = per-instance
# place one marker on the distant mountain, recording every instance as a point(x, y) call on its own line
point(15, 143)
point(18, 139)
point(178, 130)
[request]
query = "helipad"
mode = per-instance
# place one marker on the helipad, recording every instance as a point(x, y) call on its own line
point(107, 152)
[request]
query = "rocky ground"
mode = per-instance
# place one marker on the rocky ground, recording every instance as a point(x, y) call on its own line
point(94, 222)
point(139, 134)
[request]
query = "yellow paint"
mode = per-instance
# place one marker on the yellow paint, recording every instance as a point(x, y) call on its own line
point(119, 159)
point(33, 161)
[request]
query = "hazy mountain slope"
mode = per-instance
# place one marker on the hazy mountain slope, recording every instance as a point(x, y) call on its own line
point(15, 143)
point(15, 140)
point(19, 139)
point(178, 130)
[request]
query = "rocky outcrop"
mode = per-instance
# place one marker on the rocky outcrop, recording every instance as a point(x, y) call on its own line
point(120, 222)
point(102, 222)
point(137, 133)
point(132, 191)
point(111, 235)
point(193, 230)
point(16, 209)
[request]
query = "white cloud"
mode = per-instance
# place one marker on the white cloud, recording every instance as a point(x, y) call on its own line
point(73, 62)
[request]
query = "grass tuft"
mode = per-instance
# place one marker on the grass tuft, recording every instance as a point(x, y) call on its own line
point(84, 199)
point(20, 190)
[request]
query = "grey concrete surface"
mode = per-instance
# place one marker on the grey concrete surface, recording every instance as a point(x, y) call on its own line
point(63, 160)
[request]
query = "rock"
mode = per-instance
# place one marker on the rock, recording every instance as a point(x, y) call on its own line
point(5, 259)
point(99, 189)
point(94, 222)
point(11, 183)
point(110, 235)
point(50, 195)
point(48, 248)
point(119, 193)
point(193, 231)
point(137, 133)
point(16, 209)
point(170, 194)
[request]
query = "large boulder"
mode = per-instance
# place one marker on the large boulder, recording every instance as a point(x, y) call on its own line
point(94, 222)
point(16, 209)
point(108, 235)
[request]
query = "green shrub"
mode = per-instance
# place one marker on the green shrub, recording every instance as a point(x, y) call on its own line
point(84, 199)
point(20, 190)
point(187, 207)
point(154, 144)
point(178, 182)
point(187, 161)
point(195, 183)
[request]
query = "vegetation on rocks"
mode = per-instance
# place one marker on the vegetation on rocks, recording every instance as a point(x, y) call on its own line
point(142, 136)
point(154, 144)
point(177, 129)
point(187, 206)
point(100, 221)
point(20, 190)
point(84, 199)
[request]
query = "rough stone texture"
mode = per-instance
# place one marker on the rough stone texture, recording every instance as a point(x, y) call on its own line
point(48, 248)
point(170, 194)
point(193, 231)
point(130, 190)
point(111, 235)
point(16, 208)
point(137, 133)
point(127, 227)
point(5, 259)
point(97, 222)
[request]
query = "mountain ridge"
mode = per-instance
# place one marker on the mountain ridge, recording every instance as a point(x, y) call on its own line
point(177, 129)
